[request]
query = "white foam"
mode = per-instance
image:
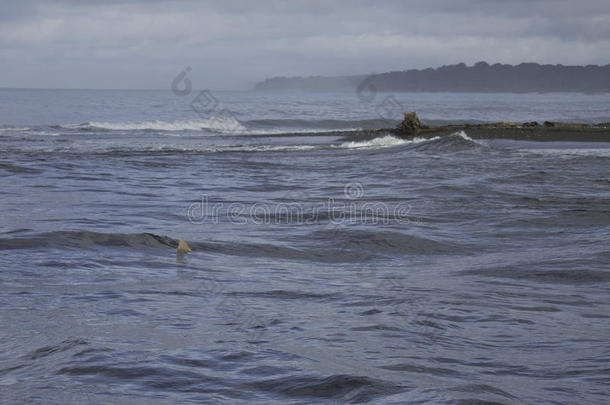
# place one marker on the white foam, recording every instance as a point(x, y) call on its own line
point(36, 132)
point(596, 152)
point(220, 124)
point(14, 129)
point(298, 131)
point(382, 142)
point(463, 135)
point(232, 148)
point(269, 148)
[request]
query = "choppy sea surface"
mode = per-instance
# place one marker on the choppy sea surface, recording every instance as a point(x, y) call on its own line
point(323, 270)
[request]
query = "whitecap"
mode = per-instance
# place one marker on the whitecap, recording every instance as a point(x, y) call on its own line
point(220, 124)
point(382, 142)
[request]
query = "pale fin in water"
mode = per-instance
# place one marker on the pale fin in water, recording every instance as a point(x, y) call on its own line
point(183, 247)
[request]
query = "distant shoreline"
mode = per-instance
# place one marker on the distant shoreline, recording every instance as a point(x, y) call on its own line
point(459, 78)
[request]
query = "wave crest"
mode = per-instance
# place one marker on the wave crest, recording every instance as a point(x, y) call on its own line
point(457, 141)
point(217, 124)
point(381, 142)
point(87, 239)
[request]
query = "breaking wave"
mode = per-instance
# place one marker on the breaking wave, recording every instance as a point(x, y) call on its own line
point(327, 124)
point(382, 142)
point(10, 129)
point(455, 142)
point(217, 124)
point(458, 141)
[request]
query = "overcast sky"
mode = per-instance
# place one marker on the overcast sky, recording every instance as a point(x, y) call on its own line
point(233, 44)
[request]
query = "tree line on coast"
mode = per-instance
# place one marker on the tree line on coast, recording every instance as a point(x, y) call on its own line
point(481, 77)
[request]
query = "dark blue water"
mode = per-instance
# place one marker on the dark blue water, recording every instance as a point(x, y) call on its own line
point(323, 269)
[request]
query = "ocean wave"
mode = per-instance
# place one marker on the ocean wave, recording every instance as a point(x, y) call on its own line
point(337, 387)
point(217, 124)
point(10, 129)
point(298, 132)
point(86, 239)
point(272, 148)
point(376, 143)
point(458, 141)
point(225, 124)
point(463, 135)
point(541, 273)
point(385, 242)
point(15, 169)
point(381, 142)
point(327, 124)
point(237, 148)
point(572, 152)
point(344, 246)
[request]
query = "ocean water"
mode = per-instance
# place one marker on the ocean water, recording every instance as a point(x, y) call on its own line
point(324, 269)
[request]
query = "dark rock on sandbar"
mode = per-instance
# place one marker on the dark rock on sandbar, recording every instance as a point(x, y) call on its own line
point(528, 131)
point(410, 125)
point(530, 124)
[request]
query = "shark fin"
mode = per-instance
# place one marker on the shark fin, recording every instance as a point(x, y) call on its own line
point(183, 247)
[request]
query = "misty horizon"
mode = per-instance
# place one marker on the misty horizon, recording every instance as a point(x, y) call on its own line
point(351, 81)
point(68, 45)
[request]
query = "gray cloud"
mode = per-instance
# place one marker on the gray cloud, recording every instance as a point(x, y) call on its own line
point(232, 44)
